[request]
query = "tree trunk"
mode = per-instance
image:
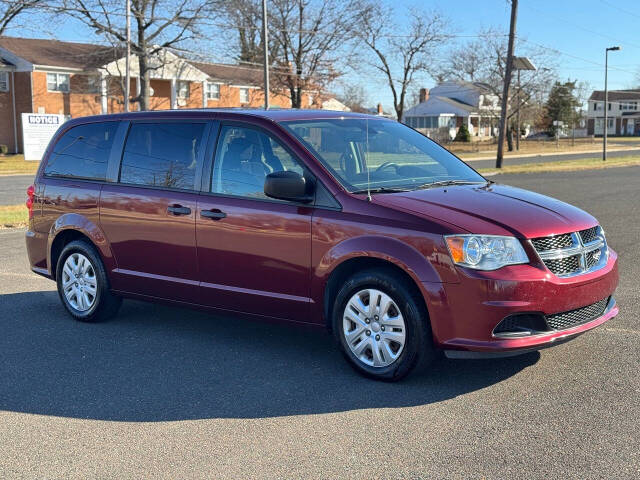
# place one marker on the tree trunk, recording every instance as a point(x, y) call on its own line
point(510, 139)
point(143, 67)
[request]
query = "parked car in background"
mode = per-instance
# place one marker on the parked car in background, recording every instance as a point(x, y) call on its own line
point(352, 222)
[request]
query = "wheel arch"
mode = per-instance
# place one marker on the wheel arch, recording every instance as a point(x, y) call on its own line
point(373, 252)
point(71, 227)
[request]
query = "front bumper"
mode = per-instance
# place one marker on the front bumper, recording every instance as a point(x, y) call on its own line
point(463, 315)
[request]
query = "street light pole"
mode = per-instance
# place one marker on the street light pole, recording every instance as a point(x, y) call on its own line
point(518, 115)
point(606, 100)
point(265, 47)
point(520, 63)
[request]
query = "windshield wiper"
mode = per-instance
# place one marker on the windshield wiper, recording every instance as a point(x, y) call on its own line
point(445, 183)
point(381, 190)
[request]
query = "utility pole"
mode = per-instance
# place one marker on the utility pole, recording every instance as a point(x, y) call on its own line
point(606, 101)
point(265, 48)
point(507, 82)
point(127, 81)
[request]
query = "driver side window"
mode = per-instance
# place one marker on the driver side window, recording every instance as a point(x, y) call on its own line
point(244, 158)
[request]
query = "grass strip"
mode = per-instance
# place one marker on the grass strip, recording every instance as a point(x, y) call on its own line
point(13, 216)
point(565, 165)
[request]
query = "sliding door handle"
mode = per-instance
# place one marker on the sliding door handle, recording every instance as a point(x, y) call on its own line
point(213, 214)
point(179, 210)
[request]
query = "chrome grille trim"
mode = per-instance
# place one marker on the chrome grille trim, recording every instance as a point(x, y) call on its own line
point(584, 244)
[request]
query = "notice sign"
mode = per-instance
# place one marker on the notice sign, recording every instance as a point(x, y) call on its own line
point(37, 130)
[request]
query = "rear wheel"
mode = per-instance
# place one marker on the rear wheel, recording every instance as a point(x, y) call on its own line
point(83, 285)
point(382, 325)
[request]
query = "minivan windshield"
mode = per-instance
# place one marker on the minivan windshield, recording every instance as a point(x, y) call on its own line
point(380, 155)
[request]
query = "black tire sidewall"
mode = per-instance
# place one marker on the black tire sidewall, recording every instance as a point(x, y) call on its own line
point(417, 340)
point(88, 251)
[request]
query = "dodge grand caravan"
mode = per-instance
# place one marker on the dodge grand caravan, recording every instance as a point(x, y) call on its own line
point(348, 221)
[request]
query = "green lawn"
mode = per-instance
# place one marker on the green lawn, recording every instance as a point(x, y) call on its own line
point(12, 216)
point(16, 165)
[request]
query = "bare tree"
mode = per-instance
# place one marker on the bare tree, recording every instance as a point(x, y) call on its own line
point(157, 25)
point(483, 59)
point(355, 97)
point(401, 52)
point(11, 9)
point(308, 36)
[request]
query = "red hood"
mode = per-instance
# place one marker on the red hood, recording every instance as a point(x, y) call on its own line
point(495, 209)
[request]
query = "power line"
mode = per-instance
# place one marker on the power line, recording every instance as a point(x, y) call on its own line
point(593, 62)
point(628, 12)
point(565, 21)
point(201, 22)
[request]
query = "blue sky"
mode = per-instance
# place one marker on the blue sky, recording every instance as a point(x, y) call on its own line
point(581, 30)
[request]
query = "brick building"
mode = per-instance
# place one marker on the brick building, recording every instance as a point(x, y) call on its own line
point(78, 79)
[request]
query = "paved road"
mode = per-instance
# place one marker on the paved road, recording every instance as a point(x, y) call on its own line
point(163, 392)
point(13, 189)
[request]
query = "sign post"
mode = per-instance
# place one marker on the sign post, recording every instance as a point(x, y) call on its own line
point(37, 131)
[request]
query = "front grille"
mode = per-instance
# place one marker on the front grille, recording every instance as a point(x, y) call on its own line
point(564, 320)
point(570, 254)
point(552, 243)
point(589, 235)
point(564, 266)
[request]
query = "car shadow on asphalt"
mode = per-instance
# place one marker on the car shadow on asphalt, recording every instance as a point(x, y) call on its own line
point(157, 363)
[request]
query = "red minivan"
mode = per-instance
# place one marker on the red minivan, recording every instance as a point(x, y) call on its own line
point(348, 221)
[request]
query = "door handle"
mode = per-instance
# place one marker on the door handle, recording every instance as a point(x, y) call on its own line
point(179, 210)
point(213, 214)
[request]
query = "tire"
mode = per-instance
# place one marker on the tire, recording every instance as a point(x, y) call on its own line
point(395, 360)
point(86, 296)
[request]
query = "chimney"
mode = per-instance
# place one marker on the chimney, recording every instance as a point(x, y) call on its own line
point(424, 94)
point(380, 112)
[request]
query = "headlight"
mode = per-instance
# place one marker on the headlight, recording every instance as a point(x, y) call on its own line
point(485, 252)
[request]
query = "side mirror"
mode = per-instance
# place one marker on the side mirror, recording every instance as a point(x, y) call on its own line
point(287, 185)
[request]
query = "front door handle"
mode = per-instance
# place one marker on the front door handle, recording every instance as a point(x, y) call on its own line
point(179, 210)
point(213, 214)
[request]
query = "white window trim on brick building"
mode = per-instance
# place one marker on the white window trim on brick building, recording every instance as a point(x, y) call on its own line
point(213, 91)
point(244, 94)
point(58, 82)
point(182, 89)
point(4, 81)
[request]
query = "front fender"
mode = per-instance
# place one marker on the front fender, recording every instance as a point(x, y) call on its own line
point(80, 223)
point(420, 266)
point(389, 249)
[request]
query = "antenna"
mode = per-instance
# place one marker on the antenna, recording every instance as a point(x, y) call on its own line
point(367, 161)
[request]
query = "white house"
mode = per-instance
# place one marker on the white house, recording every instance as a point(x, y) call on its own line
point(623, 112)
point(450, 104)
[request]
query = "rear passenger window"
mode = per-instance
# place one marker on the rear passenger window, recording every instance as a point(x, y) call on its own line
point(162, 154)
point(83, 152)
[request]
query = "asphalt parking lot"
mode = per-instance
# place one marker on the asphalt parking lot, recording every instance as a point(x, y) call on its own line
point(163, 392)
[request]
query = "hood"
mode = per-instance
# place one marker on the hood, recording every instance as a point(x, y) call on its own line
point(492, 210)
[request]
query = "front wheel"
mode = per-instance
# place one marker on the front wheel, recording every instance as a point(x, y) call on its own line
point(382, 325)
point(82, 283)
